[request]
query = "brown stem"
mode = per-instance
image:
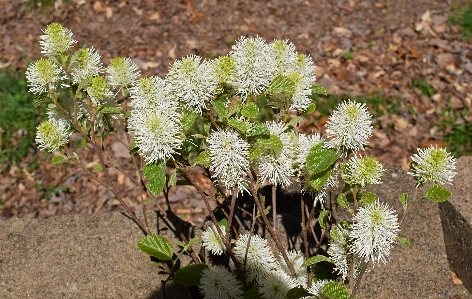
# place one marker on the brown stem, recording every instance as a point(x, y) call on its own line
point(305, 234)
point(274, 206)
point(358, 281)
point(234, 195)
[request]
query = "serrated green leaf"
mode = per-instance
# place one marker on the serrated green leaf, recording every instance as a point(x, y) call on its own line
point(223, 222)
point(148, 202)
point(259, 130)
point(58, 159)
point(334, 290)
point(318, 180)
point(297, 293)
point(155, 185)
point(404, 242)
point(83, 142)
point(404, 199)
point(157, 173)
point(188, 119)
point(316, 259)
point(190, 275)
point(203, 158)
point(317, 89)
point(173, 178)
point(367, 198)
point(179, 243)
point(234, 109)
point(341, 199)
point(438, 193)
point(37, 101)
point(98, 168)
point(311, 108)
point(296, 120)
point(157, 246)
point(322, 218)
point(253, 293)
point(250, 110)
point(255, 152)
point(220, 109)
point(189, 244)
point(239, 125)
point(110, 110)
point(273, 143)
point(319, 158)
point(281, 84)
point(206, 126)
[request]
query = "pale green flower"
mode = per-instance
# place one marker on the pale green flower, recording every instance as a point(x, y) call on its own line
point(192, 82)
point(157, 131)
point(350, 126)
point(44, 75)
point(52, 135)
point(98, 90)
point(218, 283)
point(362, 171)
point(374, 230)
point(433, 165)
point(229, 155)
point(212, 240)
point(276, 284)
point(224, 68)
point(84, 64)
point(149, 92)
point(56, 40)
point(122, 72)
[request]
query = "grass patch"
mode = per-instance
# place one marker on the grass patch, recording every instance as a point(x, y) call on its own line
point(462, 16)
point(43, 6)
point(18, 117)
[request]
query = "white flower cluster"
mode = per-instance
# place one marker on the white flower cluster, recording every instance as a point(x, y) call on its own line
point(433, 165)
point(362, 171)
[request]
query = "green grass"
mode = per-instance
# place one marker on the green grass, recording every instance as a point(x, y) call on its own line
point(18, 117)
point(425, 88)
point(42, 6)
point(462, 15)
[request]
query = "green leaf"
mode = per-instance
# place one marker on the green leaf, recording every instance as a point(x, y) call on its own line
point(98, 168)
point(255, 152)
point(190, 275)
point(203, 158)
point(311, 108)
point(404, 242)
point(296, 120)
point(259, 130)
point(317, 89)
point(341, 199)
point(253, 293)
point(318, 180)
point(297, 292)
point(404, 199)
point(281, 84)
point(148, 202)
point(319, 158)
point(75, 156)
point(334, 290)
point(110, 110)
point(322, 218)
point(37, 101)
point(223, 222)
point(157, 246)
point(58, 159)
point(234, 109)
point(273, 143)
point(367, 198)
point(157, 173)
point(316, 259)
point(188, 120)
point(83, 142)
point(320, 273)
point(220, 109)
point(239, 125)
point(133, 147)
point(173, 178)
point(190, 244)
point(250, 110)
point(437, 193)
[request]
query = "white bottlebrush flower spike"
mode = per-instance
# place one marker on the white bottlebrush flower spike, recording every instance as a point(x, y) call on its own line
point(44, 75)
point(225, 69)
point(276, 284)
point(52, 134)
point(84, 64)
point(192, 82)
point(260, 260)
point(278, 166)
point(98, 90)
point(157, 131)
point(255, 66)
point(56, 40)
point(362, 171)
point(122, 72)
point(433, 165)
point(338, 249)
point(212, 240)
point(374, 230)
point(297, 259)
point(350, 126)
point(218, 283)
point(229, 155)
point(148, 92)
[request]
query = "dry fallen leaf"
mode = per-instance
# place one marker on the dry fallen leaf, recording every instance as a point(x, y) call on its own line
point(154, 16)
point(138, 11)
point(171, 53)
point(97, 6)
point(108, 12)
point(455, 280)
point(122, 4)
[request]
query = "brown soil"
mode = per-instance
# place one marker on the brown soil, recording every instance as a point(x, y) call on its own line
point(392, 44)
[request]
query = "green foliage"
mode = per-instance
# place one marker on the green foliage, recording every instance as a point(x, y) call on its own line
point(157, 246)
point(404, 199)
point(367, 198)
point(253, 293)
point(203, 158)
point(297, 292)
point(320, 158)
point(318, 180)
point(404, 242)
point(334, 290)
point(322, 218)
point(156, 172)
point(42, 6)
point(58, 160)
point(18, 117)
point(348, 55)
point(190, 275)
point(462, 15)
point(437, 193)
point(425, 88)
point(250, 110)
point(316, 259)
point(342, 201)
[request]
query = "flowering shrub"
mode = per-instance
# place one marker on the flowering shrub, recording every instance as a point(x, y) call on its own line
point(208, 114)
